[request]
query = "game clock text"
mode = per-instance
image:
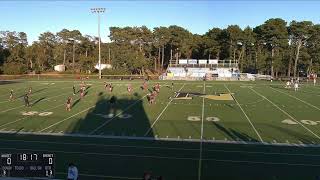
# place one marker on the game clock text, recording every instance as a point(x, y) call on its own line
point(27, 165)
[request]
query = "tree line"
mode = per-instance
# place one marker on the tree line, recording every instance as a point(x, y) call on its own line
point(276, 48)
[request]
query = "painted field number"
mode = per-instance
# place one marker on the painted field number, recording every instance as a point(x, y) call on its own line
point(198, 118)
point(307, 122)
point(111, 115)
point(33, 113)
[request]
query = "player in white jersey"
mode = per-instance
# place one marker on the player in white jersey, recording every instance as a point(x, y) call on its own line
point(296, 86)
point(11, 95)
point(288, 84)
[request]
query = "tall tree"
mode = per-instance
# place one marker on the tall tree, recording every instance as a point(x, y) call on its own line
point(212, 44)
point(274, 35)
point(161, 37)
point(299, 33)
point(47, 41)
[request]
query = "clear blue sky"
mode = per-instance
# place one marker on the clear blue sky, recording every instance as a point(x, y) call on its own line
point(35, 17)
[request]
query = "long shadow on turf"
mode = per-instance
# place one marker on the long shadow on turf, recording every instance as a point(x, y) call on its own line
point(301, 137)
point(75, 102)
point(37, 101)
point(234, 134)
point(35, 92)
point(5, 82)
point(122, 116)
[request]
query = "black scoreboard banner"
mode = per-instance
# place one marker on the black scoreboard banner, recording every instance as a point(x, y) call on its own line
point(27, 165)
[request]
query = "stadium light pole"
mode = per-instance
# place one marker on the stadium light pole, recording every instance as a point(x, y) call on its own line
point(73, 51)
point(98, 11)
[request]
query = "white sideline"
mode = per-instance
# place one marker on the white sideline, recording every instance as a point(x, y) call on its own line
point(161, 114)
point(286, 113)
point(296, 98)
point(244, 113)
point(156, 139)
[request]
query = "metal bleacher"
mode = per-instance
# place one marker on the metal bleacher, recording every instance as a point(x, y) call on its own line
point(192, 69)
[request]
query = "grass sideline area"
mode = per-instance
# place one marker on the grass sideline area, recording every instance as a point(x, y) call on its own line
point(265, 132)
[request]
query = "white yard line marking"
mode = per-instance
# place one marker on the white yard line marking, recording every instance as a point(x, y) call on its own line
point(201, 135)
point(67, 118)
point(107, 122)
point(17, 90)
point(245, 114)
point(71, 117)
point(156, 139)
point(11, 122)
point(296, 98)
point(161, 114)
point(11, 109)
point(32, 102)
point(35, 94)
point(286, 113)
point(46, 99)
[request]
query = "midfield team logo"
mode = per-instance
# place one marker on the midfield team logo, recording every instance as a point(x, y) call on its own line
point(190, 95)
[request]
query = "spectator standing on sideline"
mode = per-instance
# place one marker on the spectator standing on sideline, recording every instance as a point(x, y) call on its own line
point(146, 176)
point(72, 172)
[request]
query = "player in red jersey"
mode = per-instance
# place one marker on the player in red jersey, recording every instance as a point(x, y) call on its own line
point(144, 86)
point(68, 104)
point(81, 92)
point(129, 88)
point(157, 87)
point(110, 87)
point(106, 85)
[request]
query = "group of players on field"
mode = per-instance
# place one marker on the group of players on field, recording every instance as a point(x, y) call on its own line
point(109, 87)
point(151, 96)
point(83, 88)
point(25, 97)
point(295, 83)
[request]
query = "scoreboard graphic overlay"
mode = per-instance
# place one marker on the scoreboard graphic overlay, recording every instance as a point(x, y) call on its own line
point(27, 165)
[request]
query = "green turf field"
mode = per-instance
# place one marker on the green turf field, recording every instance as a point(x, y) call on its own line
point(265, 132)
